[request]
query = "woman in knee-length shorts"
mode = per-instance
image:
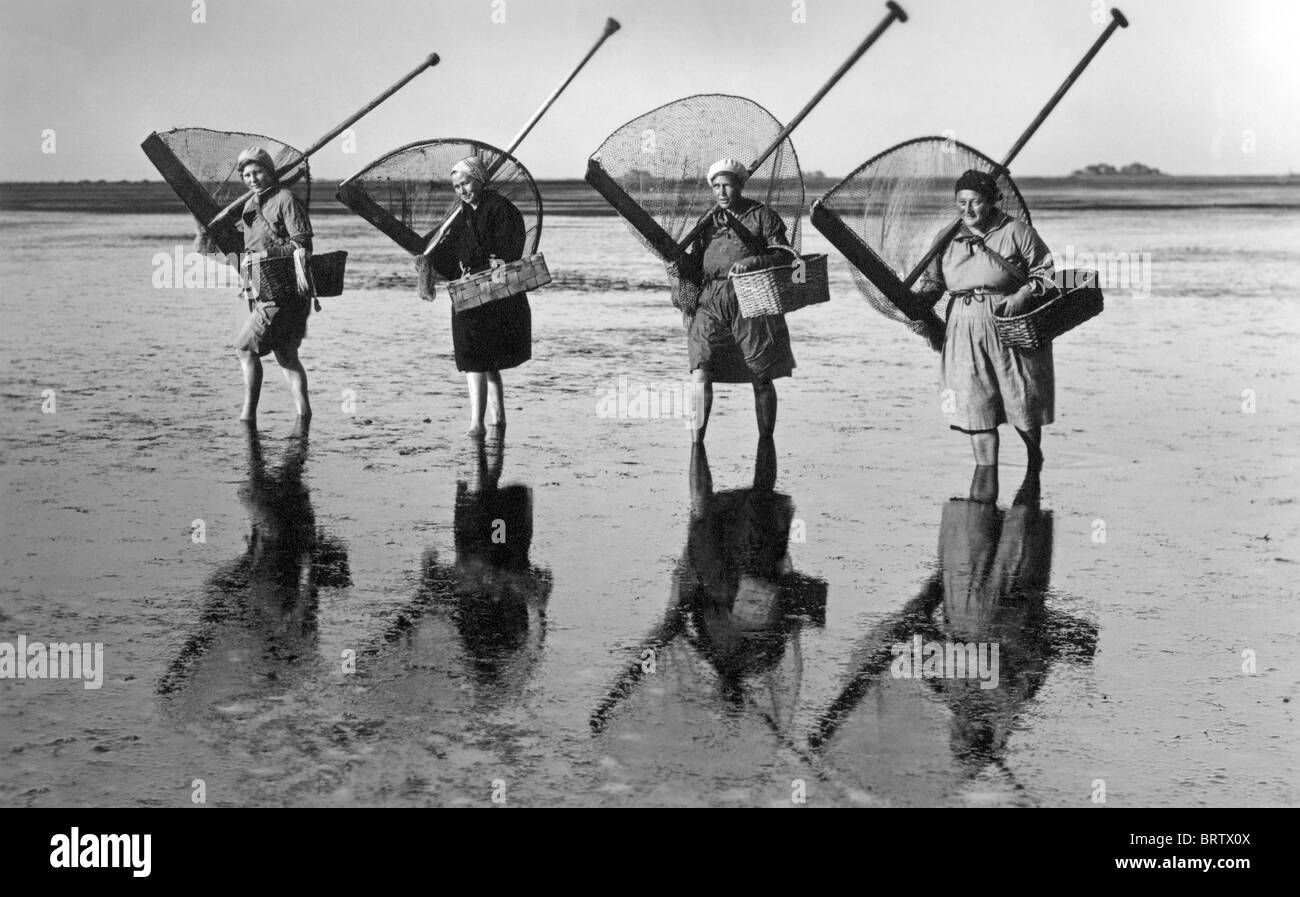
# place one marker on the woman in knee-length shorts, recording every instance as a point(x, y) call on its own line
point(273, 224)
point(743, 235)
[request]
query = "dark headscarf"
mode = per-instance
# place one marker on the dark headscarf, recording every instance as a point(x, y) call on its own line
point(981, 182)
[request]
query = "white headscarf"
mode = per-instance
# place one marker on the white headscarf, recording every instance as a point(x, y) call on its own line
point(728, 166)
point(472, 167)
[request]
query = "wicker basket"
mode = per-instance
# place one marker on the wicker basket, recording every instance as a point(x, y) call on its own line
point(276, 281)
point(500, 282)
point(775, 291)
point(1077, 299)
point(327, 272)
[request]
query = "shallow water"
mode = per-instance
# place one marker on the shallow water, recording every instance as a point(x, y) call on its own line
point(520, 666)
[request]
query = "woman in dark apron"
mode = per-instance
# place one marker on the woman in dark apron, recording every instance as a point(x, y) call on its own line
point(744, 235)
point(496, 335)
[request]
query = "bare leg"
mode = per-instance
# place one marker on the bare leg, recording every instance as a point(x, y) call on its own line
point(985, 446)
point(703, 404)
point(984, 484)
point(496, 401)
point(765, 464)
point(1033, 439)
point(252, 367)
point(296, 376)
point(765, 407)
point(701, 480)
point(477, 401)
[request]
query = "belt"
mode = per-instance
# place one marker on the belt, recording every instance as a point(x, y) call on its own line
point(978, 294)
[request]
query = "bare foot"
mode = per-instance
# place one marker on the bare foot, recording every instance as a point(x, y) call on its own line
point(476, 431)
point(248, 416)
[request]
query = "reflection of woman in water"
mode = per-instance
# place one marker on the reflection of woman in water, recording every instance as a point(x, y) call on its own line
point(736, 599)
point(491, 592)
point(991, 589)
point(259, 613)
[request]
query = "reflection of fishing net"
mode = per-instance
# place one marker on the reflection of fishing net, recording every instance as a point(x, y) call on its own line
point(892, 208)
point(199, 164)
point(407, 194)
point(661, 160)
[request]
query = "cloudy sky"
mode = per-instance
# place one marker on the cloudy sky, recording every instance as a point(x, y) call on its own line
point(1193, 87)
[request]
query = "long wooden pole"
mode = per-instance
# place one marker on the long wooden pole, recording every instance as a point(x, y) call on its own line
point(1117, 20)
point(611, 25)
point(895, 14)
point(429, 62)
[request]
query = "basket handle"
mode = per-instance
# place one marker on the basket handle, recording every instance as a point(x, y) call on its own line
point(755, 245)
point(1016, 274)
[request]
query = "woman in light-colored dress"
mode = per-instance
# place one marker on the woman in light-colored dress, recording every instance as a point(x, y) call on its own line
point(987, 384)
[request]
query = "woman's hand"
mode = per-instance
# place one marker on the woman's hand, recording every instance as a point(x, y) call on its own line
point(777, 256)
point(745, 265)
point(1023, 300)
point(203, 241)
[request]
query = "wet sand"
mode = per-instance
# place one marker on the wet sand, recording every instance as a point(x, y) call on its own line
point(767, 603)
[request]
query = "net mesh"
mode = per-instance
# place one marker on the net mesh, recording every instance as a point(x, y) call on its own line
point(412, 187)
point(661, 160)
point(211, 155)
point(899, 201)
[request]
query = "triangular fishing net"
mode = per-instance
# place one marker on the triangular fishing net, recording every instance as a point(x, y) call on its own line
point(199, 164)
point(891, 209)
point(661, 160)
point(407, 194)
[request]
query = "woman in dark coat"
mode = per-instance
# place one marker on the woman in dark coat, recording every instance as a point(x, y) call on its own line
point(488, 230)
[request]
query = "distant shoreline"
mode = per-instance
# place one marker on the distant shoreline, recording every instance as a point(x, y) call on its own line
point(574, 197)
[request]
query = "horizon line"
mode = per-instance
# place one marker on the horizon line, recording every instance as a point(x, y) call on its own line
point(581, 179)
